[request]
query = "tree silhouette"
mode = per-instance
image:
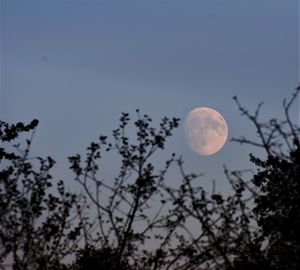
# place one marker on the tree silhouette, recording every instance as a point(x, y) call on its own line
point(276, 206)
point(36, 228)
point(139, 220)
point(128, 224)
point(277, 214)
point(128, 200)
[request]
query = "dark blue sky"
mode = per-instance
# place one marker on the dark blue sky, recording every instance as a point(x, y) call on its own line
point(76, 65)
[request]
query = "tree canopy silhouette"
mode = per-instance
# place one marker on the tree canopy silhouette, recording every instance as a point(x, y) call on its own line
point(36, 227)
point(141, 221)
point(276, 204)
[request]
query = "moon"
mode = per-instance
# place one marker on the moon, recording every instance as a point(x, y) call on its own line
point(206, 131)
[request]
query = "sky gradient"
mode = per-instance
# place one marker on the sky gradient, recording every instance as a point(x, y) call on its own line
point(76, 65)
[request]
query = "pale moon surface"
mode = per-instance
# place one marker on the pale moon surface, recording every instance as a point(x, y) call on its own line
point(206, 130)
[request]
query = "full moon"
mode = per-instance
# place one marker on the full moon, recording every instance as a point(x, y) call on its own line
point(206, 131)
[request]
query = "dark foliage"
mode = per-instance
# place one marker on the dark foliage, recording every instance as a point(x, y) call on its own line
point(278, 208)
point(141, 221)
point(94, 259)
point(140, 209)
point(276, 244)
point(36, 231)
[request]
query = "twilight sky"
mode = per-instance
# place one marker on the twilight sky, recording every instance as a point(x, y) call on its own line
point(77, 64)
